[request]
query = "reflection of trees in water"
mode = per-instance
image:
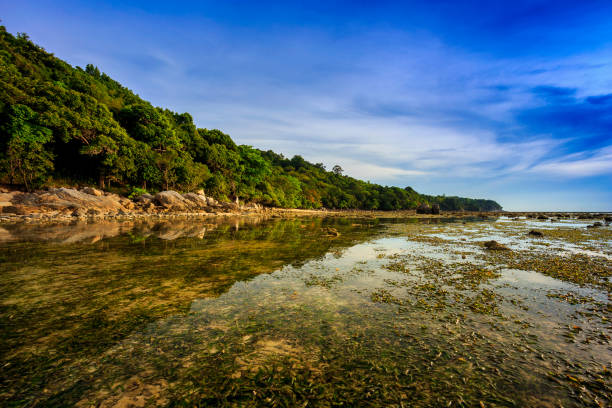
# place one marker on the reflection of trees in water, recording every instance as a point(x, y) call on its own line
point(76, 290)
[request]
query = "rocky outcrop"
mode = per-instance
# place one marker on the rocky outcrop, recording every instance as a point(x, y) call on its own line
point(91, 202)
point(423, 209)
point(171, 200)
point(495, 246)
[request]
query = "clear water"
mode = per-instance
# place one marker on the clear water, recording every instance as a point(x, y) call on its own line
point(254, 312)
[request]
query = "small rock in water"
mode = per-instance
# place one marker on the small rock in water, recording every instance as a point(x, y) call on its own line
point(535, 233)
point(495, 246)
point(332, 232)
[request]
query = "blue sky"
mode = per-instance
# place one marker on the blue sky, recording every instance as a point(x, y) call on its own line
point(496, 99)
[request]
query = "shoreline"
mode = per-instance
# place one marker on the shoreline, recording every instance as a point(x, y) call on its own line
point(67, 205)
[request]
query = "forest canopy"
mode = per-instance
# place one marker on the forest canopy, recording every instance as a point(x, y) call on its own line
point(64, 123)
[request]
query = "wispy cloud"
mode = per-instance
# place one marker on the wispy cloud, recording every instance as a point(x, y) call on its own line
point(578, 165)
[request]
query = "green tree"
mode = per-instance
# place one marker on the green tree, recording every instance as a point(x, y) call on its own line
point(27, 160)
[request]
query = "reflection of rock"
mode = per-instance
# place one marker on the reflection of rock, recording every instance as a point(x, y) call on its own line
point(535, 233)
point(81, 231)
point(495, 246)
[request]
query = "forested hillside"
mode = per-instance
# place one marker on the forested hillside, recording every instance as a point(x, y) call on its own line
point(73, 125)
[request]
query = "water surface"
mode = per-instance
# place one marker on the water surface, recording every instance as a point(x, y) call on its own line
point(254, 312)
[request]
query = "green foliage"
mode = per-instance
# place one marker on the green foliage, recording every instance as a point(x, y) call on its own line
point(81, 125)
point(136, 192)
point(26, 160)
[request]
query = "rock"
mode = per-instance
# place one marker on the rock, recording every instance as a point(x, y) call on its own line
point(423, 209)
point(435, 209)
point(171, 199)
point(495, 246)
point(608, 219)
point(542, 217)
point(66, 198)
point(79, 212)
point(211, 202)
point(595, 225)
point(14, 209)
point(230, 206)
point(535, 233)
point(93, 191)
point(128, 204)
point(199, 201)
point(332, 232)
point(94, 212)
point(144, 198)
point(200, 192)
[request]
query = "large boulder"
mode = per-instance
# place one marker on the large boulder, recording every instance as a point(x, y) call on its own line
point(171, 200)
point(495, 246)
point(423, 209)
point(144, 198)
point(92, 191)
point(63, 198)
point(197, 200)
point(211, 202)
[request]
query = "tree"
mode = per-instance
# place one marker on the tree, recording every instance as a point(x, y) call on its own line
point(337, 170)
point(27, 160)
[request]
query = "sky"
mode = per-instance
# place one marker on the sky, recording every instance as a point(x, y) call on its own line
point(488, 99)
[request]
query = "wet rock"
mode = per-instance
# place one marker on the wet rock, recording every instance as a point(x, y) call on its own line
point(535, 233)
point(542, 217)
point(332, 232)
point(595, 225)
point(435, 209)
point(495, 246)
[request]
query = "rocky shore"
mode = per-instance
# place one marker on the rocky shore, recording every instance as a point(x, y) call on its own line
point(90, 204)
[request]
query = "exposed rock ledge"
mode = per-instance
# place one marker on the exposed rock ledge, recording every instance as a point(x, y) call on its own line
point(90, 202)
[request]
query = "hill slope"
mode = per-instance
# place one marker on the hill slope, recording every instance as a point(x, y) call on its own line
point(79, 125)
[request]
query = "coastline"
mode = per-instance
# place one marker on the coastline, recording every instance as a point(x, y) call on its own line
point(67, 205)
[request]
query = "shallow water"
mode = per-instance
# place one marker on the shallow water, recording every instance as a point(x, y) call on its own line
point(256, 312)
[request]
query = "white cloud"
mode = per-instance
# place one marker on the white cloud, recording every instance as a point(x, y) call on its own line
point(578, 165)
